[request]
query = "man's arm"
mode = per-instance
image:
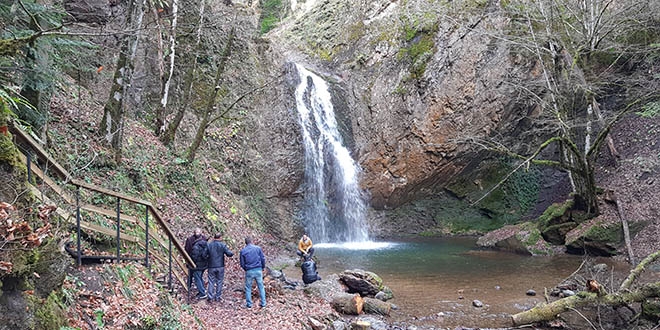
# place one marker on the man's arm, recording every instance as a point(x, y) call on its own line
point(263, 259)
point(228, 251)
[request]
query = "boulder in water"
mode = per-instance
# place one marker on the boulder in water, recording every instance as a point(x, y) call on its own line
point(360, 281)
point(477, 303)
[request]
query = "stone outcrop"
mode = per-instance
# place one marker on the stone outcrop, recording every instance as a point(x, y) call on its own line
point(524, 238)
point(412, 87)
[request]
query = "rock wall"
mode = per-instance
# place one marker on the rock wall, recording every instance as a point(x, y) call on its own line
point(414, 82)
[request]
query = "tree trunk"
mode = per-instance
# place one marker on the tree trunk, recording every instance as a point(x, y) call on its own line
point(199, 136)
point(550, 311)
point(346, 303)
point(170, 131)
point(375, 306)
point(113, 111)
point(162, 109)
point(585, 188)
point(211, 105)
point(155, 63)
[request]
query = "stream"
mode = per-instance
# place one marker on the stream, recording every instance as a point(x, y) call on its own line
point(435, 280)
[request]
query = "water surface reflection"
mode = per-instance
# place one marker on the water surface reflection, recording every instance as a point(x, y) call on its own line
point(435, 279)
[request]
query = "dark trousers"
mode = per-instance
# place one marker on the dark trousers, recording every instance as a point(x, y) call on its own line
point(216, 277)
point(196, 275)
point(310, 253)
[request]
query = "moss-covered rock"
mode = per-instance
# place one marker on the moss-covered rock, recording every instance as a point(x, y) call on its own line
point(556, 221)
point(598, 238)
point(523, 238)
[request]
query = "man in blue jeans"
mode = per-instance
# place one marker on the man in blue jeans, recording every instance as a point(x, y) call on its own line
point(253, 262)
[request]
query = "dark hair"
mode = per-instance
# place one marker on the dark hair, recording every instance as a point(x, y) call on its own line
point(248, 240)
point(217, 236)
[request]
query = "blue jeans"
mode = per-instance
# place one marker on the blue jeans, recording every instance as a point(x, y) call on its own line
point(254, 275)
point(216, 277)
point(199, 282)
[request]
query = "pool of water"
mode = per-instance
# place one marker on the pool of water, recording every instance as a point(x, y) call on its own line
point(435, 280)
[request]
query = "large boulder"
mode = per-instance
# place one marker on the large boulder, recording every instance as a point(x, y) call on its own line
point(523, 238)
point(598, 237)
point(361, 281)
point(326, 288)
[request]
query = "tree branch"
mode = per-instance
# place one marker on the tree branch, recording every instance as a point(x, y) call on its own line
point(606, 130)
point(627, 283)
point(240, 98)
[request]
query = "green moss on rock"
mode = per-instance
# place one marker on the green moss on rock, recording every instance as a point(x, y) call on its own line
point(49, 312)
point(554, 213)
point(651, 309)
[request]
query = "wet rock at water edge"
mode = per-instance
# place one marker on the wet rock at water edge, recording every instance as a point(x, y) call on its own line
point(316, 324)
point(497, 287)
point(530, 292)
point(599, 268)
point(477, 303)
point(339, 325)
point(567, 293)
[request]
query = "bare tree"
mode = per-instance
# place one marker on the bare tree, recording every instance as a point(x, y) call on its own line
point(170, 128)
point(111, 126)
point(577, 48)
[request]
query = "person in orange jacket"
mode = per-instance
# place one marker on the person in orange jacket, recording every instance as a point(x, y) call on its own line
point(305, 248)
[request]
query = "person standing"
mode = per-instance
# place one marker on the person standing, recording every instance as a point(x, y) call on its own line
point(305, 248)
point(197, 272)
point(217, 252)
point(200, 255)
point(253, 263)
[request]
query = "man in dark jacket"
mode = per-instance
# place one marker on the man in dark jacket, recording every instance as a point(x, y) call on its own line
point(253, 262)
point(217, 252)
point(309, 273)
point(200, 255)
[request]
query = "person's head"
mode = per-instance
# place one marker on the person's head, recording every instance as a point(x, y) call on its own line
point(305, 237)
point(198, 232)
point(217, 236)
point(248, 240)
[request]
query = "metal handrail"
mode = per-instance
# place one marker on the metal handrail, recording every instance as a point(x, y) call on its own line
point(65, 175)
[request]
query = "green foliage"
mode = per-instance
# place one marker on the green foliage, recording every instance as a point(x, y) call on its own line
point(270, 15)
point(419, 34)
point(649, 110)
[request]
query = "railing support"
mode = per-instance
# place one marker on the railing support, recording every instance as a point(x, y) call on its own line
point(146, 235)
point(29, 165)
point(118, 229)
point(78, 225)
point(169, 279)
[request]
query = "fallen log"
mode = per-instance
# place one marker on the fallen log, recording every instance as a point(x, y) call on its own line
point(347, 303)
point(375, 306)
point(550, 311)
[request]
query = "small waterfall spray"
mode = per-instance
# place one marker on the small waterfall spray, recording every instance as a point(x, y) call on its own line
point(334, 204)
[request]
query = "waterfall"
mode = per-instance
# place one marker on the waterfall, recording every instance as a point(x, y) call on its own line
point(334, 209)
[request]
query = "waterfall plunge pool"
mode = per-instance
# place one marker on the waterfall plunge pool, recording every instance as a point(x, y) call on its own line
point(430, 275)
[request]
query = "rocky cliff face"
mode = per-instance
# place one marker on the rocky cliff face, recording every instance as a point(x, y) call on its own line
point(414, 81)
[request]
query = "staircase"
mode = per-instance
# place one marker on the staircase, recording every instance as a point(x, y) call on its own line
point(148, 233)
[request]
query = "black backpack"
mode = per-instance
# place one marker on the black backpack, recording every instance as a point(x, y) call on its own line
point(200, 253)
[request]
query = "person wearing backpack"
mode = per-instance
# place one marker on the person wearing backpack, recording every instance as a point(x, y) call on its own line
point(200, 255)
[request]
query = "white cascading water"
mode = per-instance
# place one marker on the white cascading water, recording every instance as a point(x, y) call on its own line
point(335, 207)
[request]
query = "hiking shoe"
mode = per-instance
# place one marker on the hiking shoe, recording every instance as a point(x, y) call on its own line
point(202, 296)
